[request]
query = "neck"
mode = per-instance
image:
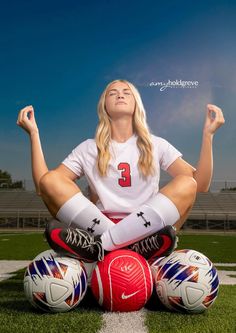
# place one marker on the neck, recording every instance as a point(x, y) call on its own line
point(121, 129)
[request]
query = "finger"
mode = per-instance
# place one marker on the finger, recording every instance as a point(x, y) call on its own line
point(210, 115)
point(217, 115)
point(28, 110)
point(25, 117)
point(215, 112)
point(220, 118)
point(24, 111)
point(20, 116)
point(31, 114)
point(214, 108)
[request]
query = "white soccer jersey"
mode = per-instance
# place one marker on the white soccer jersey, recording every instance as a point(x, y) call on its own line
point(124, 189)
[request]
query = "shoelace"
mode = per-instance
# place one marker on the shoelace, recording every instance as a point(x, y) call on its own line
point(75, 236)
point(100, 251)
point(150, 244)
point(146, 245)
point(176, 242)
point(85, 241)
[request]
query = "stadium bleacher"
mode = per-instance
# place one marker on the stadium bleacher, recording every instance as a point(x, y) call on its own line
point(213, 211)
point(22, 209)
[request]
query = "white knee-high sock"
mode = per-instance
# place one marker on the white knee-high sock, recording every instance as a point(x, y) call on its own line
point(78, 211)
point(152, 216)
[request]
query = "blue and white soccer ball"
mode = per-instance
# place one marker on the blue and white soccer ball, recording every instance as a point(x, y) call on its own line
point(53, 283)
point(186, 281)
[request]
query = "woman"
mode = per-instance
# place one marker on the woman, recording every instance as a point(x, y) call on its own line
point(122, 165)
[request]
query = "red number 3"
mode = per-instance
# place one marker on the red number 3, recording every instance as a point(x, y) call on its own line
point(125, 181)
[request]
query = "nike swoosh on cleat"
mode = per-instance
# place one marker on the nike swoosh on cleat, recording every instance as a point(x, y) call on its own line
point(123, 296)
point(56, 239)
point(164, 247)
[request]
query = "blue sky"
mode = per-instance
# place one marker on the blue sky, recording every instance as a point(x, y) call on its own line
point(60, 55)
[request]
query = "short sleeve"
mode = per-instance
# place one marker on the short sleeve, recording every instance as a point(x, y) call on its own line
point(75, 160)
point(167, 153)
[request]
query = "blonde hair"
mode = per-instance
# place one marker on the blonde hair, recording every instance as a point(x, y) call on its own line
point(140, 127)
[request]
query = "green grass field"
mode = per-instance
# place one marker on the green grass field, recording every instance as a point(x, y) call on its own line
point(17, 315)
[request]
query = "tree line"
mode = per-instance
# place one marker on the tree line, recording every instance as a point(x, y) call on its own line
point(7, 182)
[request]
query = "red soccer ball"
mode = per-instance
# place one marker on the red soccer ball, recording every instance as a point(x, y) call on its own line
point(122, 281)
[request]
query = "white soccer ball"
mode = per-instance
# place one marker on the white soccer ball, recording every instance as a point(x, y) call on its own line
point(186, 281)
point(53, 283)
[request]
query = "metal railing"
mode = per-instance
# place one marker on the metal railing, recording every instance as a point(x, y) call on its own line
point(202, 215)
point(22, 219)
point(28, 184)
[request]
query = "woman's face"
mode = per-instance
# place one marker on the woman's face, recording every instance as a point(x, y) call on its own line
point(119, 100)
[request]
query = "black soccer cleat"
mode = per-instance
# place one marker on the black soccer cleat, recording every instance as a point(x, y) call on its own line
point(160, 244)
point(74, 242)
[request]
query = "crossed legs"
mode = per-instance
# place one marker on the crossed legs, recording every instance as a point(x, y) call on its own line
point(56, 189)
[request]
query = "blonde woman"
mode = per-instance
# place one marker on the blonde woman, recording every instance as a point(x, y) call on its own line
point(122, 166)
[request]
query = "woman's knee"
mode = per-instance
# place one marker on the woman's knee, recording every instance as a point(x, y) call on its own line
point(57, 187)
point(182, 188)
point(48, 182)
point(187, 186)
point(182, 191)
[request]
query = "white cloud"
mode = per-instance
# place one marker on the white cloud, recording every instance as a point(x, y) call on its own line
point(190, 109)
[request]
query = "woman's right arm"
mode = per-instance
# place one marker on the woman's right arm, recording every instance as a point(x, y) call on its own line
point(26, 120)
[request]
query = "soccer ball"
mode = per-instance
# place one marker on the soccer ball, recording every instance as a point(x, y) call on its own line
point(53, 283)
point(186, 281)
point(122, 281)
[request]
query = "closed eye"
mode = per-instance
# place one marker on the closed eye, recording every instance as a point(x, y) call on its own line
point(115, 92)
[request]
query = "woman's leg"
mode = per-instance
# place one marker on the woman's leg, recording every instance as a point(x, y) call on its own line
point(56, 189)
point(168, 207)
point(182, 192)
point(67, 204)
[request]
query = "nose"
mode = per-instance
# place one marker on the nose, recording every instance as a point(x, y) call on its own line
point(120, 96)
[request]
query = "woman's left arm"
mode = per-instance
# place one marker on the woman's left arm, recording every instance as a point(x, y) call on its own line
point(204, 169)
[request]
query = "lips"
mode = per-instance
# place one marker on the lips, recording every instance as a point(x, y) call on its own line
point(120, 103)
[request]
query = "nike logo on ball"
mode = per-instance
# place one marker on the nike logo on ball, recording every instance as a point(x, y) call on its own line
point(123, 296)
